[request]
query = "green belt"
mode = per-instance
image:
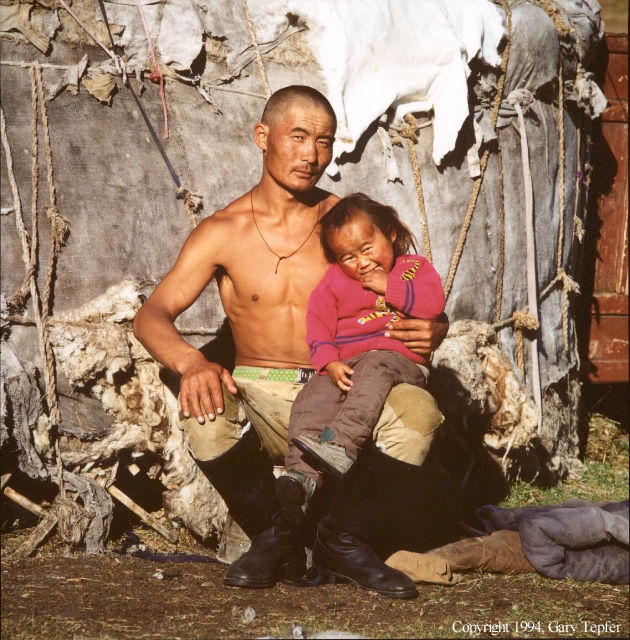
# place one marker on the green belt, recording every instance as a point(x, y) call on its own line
point(299, 376)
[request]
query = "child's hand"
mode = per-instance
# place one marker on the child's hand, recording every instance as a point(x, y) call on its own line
point(339, 373)
point(375, 280)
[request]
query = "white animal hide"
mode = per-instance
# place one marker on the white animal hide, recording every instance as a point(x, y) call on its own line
point(409, 54)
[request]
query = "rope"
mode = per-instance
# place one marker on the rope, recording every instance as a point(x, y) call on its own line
point(239, 92)
point(19, 298)
point(484, 159)
point(408, 131)
point(193, 204)
point(565, 28)
point(563, 25)
point(59, 468)
point(43, 65)
point(568, 283)
point(41, 308)
point(522, 321)
point(59, 232)
point(501, 267)
point(29, 256)
point(118, 61)
point(561, 206)
point(73, 520)
point(259, 59)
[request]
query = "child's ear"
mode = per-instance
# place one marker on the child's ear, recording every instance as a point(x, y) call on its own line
point(393, 235)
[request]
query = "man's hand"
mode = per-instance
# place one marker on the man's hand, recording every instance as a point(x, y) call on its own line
point(420, 336)
point(339, 373)
point(200, 389)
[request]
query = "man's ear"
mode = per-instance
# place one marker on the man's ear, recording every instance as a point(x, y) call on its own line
point(260, 135)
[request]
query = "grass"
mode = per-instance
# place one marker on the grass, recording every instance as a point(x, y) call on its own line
point(605, 476)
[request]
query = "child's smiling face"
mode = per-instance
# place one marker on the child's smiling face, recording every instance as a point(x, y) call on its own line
point(360, 247)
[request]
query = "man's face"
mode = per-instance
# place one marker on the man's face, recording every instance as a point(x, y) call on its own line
point(298, 147)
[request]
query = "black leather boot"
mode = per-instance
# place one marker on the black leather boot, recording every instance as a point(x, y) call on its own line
point(275, 553)
point(382, 505)
point(339, 555)
point(243, 476)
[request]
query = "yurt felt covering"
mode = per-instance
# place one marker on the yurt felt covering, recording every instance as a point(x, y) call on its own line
point(475, 128)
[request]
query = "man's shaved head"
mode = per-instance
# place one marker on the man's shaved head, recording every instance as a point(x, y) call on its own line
point(281, 101)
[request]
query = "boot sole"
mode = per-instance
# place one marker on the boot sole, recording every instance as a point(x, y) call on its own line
point(330, 577)
point(315, 461)
point(295, 567)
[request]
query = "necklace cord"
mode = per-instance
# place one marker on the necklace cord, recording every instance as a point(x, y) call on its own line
point(289, 255)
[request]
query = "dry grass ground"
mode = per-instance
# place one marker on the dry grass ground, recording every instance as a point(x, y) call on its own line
point(55, 595)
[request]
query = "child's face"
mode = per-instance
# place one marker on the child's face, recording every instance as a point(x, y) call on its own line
point(360, 247)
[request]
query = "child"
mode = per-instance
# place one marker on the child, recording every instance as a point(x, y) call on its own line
point(371, 282)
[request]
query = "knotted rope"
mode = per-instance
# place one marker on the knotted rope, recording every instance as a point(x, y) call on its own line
point(30, 244)
point(193, 204)
point(58, 234)
point(408, 131)
point(568, 284)
point(522, 321)
point(73, 520)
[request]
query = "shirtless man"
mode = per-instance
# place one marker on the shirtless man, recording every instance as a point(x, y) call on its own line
point(265, 252)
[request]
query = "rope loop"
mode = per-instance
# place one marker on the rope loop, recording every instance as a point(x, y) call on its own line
point(522, 321)
point(406, 130)
point(59, 227)
point(525, 321)
point(568, 283)
point(521, 97)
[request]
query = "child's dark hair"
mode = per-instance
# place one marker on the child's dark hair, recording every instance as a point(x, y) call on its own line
point(385, 218)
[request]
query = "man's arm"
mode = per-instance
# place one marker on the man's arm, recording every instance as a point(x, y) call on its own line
point(154, 326)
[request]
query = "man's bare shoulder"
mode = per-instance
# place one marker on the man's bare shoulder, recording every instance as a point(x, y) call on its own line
point(327, 200)
point(234, 215)
point(222, 227)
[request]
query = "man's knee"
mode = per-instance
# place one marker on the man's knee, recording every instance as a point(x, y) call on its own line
point(408, 424)
point(415, 408)
point(214, 437)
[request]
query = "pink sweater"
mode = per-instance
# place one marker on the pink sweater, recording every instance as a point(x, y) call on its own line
point(343, 319)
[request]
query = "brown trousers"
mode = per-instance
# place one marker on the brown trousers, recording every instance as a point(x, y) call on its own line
point(351, 415)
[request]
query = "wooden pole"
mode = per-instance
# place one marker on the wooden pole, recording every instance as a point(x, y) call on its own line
point(23, 501)
point(145, 515)
point(36, 537)
point(4, 479)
